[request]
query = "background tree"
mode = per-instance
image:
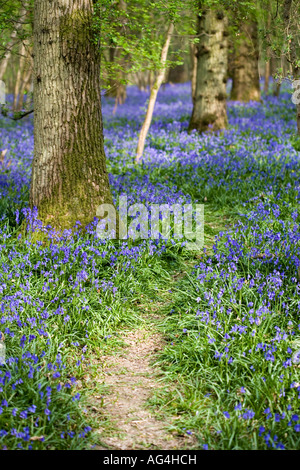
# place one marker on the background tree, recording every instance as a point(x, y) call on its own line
point(153, 95)
point(291, 20)
point(282, 39)
point(15, 28)
point(245, 75)
point(209, 110)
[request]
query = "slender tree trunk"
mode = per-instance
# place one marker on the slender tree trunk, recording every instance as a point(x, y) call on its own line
point(22, 52)
point(267, 76)
point(24, 87)
point(276, 88)
point(153, 95)
point(276, 84)
point(151, 78)
point(193, 51)
point(4, 62)
point(140, 81)
point(209, 111)
point(268, 52)
point(29, 98)
point(245, 80)
point(117, 89)
point(69, 177)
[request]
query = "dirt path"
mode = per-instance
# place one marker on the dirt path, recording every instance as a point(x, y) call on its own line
point(132, 380)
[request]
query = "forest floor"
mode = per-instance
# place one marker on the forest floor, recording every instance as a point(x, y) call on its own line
point(131, 376)
point(145, 344)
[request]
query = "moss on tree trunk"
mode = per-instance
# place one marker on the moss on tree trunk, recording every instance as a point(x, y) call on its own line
point(69, 177)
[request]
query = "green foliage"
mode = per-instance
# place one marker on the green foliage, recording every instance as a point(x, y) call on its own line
point(10, 18)
point(132, 33)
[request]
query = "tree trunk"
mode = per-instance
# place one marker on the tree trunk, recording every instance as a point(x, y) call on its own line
point(267, 77)
point(276, 88)
point(24, 87)
point(153, 95)
point(117, 89)
point(209, 111)
point(268, 53)
point(22, 52)
point(69, 177)
point(194, 59)
point(178, 74)
point(245, 79)
point(4, 62)
point(276, 83)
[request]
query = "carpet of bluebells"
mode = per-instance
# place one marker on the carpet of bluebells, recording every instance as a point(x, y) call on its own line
point(233, 322)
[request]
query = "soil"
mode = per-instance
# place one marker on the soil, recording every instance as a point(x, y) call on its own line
point(132, 380)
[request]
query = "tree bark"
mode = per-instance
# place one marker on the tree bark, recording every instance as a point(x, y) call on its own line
point(209, 110)
point(69, 177)
point(245, 76)
point(153, 95)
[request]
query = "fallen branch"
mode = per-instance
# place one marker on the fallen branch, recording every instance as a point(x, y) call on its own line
point(16, 116)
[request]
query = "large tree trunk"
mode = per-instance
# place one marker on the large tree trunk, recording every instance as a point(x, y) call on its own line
point(69, 177)
point(245, 76)
point(209, 111)
point(153, 95)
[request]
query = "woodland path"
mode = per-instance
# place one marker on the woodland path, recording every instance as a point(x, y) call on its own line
point(132, 379)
